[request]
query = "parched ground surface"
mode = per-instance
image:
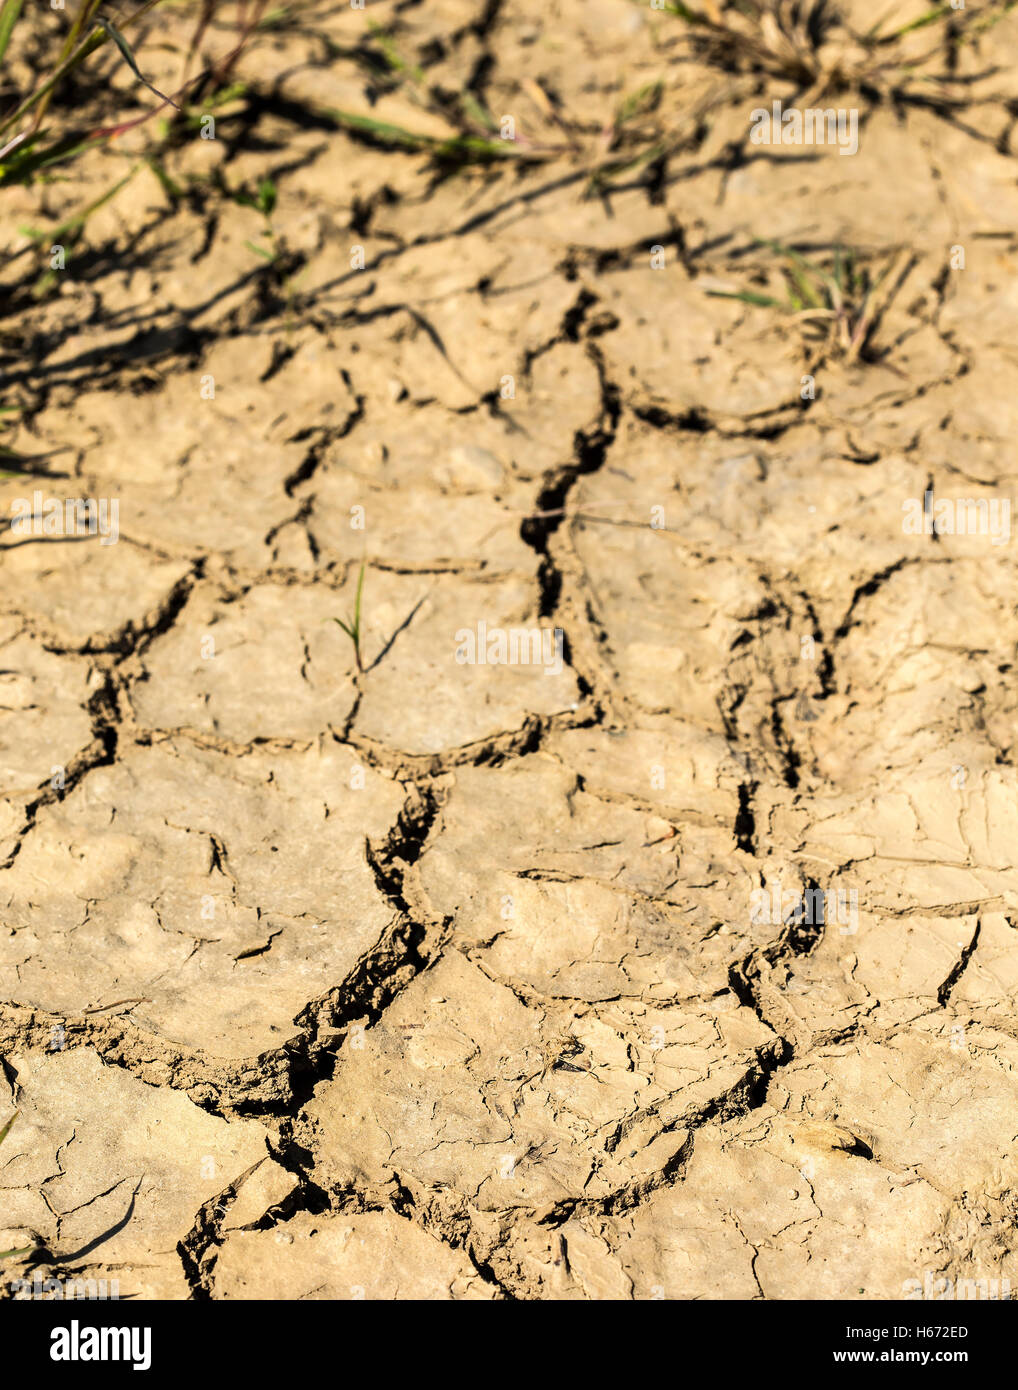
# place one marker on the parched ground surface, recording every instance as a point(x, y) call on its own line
point(444, 980)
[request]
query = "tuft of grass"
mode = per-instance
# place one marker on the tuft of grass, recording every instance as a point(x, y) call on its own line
point(38, 134)
point(476, 141)
point(263, 200)
point(453, 150)
point(642, 102)
point(27, 145)
point(837, 306)
point(353, 627)
point(25, 1249)
point(810, 43)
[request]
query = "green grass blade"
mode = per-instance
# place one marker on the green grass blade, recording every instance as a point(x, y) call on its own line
point(478, 113)
point(21, 149)
point(930, 17)
point(20, 169)
point(684, 12)
point(791, 254)
point(382, 131)
point(128, 57)
point(357, 602)
point(761, 301)
point(267, 197)
point(262, 251)
point(42, 93)
point(981, 24)
point(122, 44)
point(7, 1127)
point(75, 222)
point(640, 103)
point(393, 57)
point(8, 19)
point(805, 286)
point(462, 147)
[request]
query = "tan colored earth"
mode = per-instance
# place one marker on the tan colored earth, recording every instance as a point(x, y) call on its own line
point(442, 979)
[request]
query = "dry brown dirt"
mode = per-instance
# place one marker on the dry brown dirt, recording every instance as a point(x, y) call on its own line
point(452, 980)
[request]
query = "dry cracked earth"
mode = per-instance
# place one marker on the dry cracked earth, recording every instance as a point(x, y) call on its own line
point(486, 981)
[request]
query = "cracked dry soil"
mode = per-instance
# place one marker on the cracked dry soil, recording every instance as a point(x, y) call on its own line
point(450, 980)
